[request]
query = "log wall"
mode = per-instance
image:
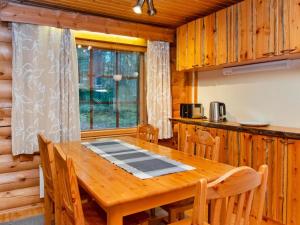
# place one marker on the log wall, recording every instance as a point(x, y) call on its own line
point(19, 176)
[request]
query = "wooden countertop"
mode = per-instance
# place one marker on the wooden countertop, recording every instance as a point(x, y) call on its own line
point(283, 132)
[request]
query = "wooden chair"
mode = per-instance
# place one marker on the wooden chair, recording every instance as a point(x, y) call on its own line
point(48, 167)
point(148, 133)
point(201, 144)
point(70, 208)
point(237, 198)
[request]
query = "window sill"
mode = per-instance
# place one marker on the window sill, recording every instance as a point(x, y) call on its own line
point(94, 134)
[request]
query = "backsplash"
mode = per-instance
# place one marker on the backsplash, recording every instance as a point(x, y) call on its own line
point(272, 96)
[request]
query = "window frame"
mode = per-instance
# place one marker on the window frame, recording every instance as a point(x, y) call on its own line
point(142, 114)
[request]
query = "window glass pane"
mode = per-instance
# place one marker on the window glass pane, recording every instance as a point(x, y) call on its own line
point(84, 87)
point(104, 116)
point(104, 101)
point(104, 62)
point(128, 115)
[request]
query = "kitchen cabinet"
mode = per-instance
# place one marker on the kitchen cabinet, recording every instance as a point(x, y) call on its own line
point(182, 47)
point(222, 40)
point(209, 31)
point(264, 22)
point(245, 30)
point(294, 21)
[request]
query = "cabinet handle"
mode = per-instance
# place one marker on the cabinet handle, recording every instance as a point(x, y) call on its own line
point(288, 50)
point(268, 140)
point(269, 54)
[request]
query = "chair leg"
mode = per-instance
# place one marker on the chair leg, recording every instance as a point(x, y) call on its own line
point(49, 210)
point(152, 212)
point(172, 216)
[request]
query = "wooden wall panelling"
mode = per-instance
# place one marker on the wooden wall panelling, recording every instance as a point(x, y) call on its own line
point(5, 89)
point(5, 32)
point(13, 12)
point(19, 197)
point(294, 22)
point(19, 179)
point(13, 165)
point(222, 37)
point(265, 14)
point(245, 30)
point(293, 193)
point(5, 146)
point(209, 47)
point(5, 133)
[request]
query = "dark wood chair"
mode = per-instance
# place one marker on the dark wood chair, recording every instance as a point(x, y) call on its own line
point(201, 144)
point(70, 208)
point(237, 198)
point(148, 133)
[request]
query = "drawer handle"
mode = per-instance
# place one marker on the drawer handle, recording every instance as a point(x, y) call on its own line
point(288, 50)
point(269, 54)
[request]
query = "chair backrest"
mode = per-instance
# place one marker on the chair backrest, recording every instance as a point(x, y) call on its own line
point(202, 144)
point(236, 198)
point(68, 197)
point(148, 133)
point(47, 163)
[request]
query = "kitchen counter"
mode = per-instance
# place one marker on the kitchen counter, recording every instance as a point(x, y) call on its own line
point(277, 131)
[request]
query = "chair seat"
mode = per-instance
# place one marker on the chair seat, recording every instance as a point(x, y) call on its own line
point(95, 215)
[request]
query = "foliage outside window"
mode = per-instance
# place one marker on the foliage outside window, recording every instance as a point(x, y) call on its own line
point(106, 102)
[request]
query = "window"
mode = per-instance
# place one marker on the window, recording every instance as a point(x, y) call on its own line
point(109, 88)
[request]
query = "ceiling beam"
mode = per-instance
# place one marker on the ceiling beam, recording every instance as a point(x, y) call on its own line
point(13, 12)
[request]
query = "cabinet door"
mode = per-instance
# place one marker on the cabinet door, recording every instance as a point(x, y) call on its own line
point(199, 43)
point(182, 131)
point(294, 26)
point(222, 37)
point(209, 40)
point(233, 148)
point(245, 30)
point(293, 193)
point(282, 43)
point(191, 44)
point(182, 47)
point(232, 33)
point(264, 21)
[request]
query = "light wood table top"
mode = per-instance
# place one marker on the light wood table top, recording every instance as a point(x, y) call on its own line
point(120, 193)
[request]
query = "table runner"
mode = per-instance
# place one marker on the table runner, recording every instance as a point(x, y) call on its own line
point(135, 160)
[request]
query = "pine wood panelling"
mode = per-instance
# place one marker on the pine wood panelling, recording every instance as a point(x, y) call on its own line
point(15, 165)
point(5, 132)
point(57, 18)
point(191, 34)
point(5, 146)
point(222, 36)
point(170, 14)
point(5, 70)
point(19, 197)
point(233, 34)
point(5, 103)
point(21, 212)
point(245, 30)
point(209, 40)
point(19, 179)
point(5, 51)
point(5, 88)
point(293, 200)
point(294, 25)
point(265, 28)
point(5, 33)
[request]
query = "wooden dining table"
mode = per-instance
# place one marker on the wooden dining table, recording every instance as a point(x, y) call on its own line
point(120, 193)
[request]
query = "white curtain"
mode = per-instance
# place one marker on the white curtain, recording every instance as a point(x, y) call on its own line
point(159, 108)
point(45, 86)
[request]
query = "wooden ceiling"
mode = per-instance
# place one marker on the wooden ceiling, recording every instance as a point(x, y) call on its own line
point(170, 13)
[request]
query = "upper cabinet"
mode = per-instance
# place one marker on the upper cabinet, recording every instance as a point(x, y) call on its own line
point(249, 31)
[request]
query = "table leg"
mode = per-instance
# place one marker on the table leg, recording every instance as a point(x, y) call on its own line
point(114, 218)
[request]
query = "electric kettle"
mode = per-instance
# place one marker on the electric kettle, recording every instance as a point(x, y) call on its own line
point(217, 112)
